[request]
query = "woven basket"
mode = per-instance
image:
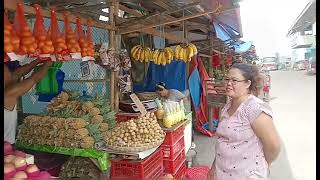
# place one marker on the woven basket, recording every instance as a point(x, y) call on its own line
point(142, 147)
point(147, 96)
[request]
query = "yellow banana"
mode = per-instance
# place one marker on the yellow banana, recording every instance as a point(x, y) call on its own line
point(164, 59)
point(135, 53)
point(194, 48)
point(134, 49)
point(148, 54)
point(155, 55)
point(167, 55)
point(177, 52)
point(190, 52)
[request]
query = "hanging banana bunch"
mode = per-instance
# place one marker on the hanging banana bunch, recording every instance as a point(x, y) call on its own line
point(162, 56)
point(142, 54)
point(185, 52)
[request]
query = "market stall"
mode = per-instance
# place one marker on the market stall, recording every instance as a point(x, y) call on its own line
point(95, 114)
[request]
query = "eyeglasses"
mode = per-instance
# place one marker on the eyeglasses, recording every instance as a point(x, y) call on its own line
point(233, 81)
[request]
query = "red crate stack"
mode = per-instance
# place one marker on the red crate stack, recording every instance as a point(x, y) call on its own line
point(174, 156)
point(149, 168)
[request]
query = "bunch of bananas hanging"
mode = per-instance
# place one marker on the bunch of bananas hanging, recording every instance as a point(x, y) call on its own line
point(185, 52)
point(142, 54)
point(162, 56)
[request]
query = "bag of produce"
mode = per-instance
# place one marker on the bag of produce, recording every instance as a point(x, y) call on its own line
point(49, 84)
point(58, 40)
point(28, 44)
point(45, 46)
point(71, 39)
point(83, 41)
point(90, 52)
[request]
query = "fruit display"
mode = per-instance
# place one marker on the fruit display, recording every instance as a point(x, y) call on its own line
point(69, 122)
point(163, 56)
point(174, 113)
point(90, 51)
point(28, 43)
point(16, 166)
point(71, 36)
point(135, 135)
point(59, 42)
point(185, 52)
point(142, 54)
point(44, 42)
point(11, 40)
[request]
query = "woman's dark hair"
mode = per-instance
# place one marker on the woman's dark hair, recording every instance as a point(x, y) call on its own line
point(161, 86)
point(251, 72)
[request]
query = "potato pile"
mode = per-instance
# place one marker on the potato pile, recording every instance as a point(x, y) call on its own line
point(87, 48)
point(54, 131)
point(136, 134)
point(59, 44)
point(11, 40)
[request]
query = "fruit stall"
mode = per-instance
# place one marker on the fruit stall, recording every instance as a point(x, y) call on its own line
point(96, 114)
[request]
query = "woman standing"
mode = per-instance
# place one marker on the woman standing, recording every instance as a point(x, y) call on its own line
point(247, 140)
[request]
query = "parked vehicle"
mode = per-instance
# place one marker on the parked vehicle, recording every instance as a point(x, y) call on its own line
point(299, 65)
point(312, 65)
point(269, 63)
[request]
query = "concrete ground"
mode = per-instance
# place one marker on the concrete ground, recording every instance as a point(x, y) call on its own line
point(293, 102)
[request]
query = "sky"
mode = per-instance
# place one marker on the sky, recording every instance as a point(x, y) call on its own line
point(266, 23)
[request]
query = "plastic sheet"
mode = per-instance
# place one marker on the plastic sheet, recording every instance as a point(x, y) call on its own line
point(102, 157)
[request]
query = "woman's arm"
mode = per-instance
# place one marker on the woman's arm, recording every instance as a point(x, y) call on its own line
point(264, 128)
point(23, 70)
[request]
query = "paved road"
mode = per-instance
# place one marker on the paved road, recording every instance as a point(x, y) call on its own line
point(294, 105)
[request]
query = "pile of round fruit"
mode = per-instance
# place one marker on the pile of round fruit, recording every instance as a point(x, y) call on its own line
point(136, 135)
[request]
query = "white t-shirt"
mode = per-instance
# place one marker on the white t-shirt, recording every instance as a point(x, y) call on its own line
point(10, 125)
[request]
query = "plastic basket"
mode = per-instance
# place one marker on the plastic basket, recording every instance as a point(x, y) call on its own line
point(149, 168)
point(181, 173)
point(173, 137)
point(199, 172)
point(172, 167)
point(170, 152)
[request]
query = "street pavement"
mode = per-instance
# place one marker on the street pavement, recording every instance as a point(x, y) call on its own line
point(293, 100)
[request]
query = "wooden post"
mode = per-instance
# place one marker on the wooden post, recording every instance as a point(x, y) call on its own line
point(113, 12)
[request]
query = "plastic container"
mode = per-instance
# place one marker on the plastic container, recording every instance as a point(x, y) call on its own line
point(170, 152)
point(173, 137)
point(181, 173)
point(172, 167)
point(149, 168)
point(199, 172)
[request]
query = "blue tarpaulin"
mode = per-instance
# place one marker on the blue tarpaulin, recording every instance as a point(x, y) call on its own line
point(241, 48)
point(195, 87)
point(173, 75)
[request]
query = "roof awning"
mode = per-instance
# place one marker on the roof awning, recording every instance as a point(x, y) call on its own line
point(241, 48)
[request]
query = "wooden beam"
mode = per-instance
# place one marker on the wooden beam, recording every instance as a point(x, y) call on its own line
point(126, 31)
point(11, 5)
point(129, 10)
point(162, 4)
point(165, 35)
point(90, 7)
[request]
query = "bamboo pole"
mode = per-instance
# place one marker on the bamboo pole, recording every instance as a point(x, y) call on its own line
point(112, 45)
point(117, 47)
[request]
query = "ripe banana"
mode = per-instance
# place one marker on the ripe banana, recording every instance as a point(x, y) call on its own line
point(185, 52)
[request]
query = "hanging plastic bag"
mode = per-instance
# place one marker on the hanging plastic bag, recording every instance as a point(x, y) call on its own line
point(71, 39)
point(8, 44)
point(28, 43)
point(58, 40)
point(49, 84)
point(45, 45)
point(83, 41)
point(90, 41)
point(103, 52)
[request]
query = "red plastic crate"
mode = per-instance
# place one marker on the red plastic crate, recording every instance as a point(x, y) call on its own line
point(181, 173)
point(170, 152)
point(173, 137)
point(172, 167)
point(126, 117)
point(149, 168)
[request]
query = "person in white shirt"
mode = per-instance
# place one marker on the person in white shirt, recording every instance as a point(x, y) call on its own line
point(14, 87)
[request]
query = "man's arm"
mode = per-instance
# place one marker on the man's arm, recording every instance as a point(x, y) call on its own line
point(23, 70)
point(12, 92)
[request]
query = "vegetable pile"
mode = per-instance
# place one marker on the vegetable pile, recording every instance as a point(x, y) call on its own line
point(136, 134)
